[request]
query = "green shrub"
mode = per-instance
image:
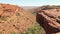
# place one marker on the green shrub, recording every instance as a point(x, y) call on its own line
point(33, 30)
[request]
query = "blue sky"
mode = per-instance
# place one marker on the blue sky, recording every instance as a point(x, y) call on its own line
point(31, 2)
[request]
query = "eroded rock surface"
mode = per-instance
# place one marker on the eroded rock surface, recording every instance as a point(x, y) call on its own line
point(49, 20)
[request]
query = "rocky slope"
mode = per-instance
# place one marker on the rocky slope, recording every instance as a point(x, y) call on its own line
point(14, 19)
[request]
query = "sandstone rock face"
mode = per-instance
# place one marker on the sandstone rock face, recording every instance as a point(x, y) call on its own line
point(49, 20)
point(13, 19)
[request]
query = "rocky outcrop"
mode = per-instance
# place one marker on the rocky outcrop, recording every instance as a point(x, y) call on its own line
point(49, 20)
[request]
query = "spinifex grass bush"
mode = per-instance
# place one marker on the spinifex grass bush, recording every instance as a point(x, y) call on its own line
point(37, 29)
